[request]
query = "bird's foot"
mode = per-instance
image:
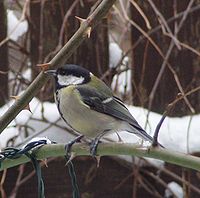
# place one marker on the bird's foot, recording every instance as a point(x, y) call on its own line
point(93, 147)
point(69, 145)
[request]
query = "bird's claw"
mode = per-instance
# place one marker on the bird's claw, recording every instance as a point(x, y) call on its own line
point(69, 145)
point(93, 147)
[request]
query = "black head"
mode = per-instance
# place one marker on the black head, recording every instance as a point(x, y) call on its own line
point(70, 74)
point(74, 70)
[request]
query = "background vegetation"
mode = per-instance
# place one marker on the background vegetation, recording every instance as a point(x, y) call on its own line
point(160, 40)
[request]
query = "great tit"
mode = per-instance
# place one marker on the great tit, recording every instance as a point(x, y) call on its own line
point(88, 105)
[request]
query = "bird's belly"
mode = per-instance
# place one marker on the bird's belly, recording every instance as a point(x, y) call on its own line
point(83, 119)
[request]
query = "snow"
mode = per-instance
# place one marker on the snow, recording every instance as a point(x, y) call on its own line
point(175, 188)
point(121, 82)
point(27, 74)
point(16, 28)
point(115, 54)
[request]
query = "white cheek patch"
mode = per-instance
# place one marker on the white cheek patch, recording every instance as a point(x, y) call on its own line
point(69, 80)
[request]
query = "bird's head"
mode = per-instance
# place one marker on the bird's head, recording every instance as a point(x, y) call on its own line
point(70, 74)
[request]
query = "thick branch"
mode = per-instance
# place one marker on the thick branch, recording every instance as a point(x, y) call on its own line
point(57, 61)
point(56, 150)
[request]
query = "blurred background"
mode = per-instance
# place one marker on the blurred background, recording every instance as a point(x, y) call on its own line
point(148, 52)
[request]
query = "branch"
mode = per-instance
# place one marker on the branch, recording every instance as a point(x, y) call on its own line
point(80, 149)
point(57, 61)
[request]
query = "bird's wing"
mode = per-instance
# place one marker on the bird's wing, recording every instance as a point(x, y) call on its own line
point(108, 105)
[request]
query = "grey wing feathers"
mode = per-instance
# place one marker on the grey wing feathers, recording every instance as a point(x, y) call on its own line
point(110, 106)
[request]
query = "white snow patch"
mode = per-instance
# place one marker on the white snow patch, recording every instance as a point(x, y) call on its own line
point(115, 54)
point(27, 74)
point(121, 83)
point(16, 28)
point(175, 188)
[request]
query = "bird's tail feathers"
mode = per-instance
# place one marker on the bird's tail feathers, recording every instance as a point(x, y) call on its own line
point(142, 134)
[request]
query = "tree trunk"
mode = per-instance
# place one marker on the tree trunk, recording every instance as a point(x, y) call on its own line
point(3, 56)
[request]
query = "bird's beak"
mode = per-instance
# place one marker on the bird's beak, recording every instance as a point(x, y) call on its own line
point(50, 72)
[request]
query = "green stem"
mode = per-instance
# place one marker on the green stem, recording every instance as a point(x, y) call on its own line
point(81, 149)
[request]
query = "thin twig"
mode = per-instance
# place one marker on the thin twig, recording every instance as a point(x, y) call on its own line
point(3, 177)
point(159, 180)
point(181, 89)
point(137, 7)
point(149, 187)
point(17, 183)
point(62, 30)
point(168, 110)
point(134, 24)
point(163, 22)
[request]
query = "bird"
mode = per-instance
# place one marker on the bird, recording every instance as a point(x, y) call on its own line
point(89, 106)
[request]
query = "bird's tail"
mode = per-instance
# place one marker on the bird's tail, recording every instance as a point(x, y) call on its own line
point(142, 134)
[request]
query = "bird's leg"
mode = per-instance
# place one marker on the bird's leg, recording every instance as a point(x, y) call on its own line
point(95, 142)
point(69, 145)
point(93, 146)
